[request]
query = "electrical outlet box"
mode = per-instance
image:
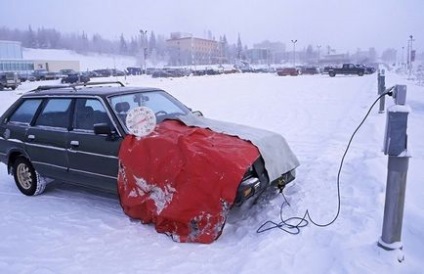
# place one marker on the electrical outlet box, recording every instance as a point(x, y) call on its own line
point(399, 94)
point(395, 138)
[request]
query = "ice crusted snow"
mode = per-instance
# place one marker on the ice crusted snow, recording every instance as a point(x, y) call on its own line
point(161, 197)
point(73, 230)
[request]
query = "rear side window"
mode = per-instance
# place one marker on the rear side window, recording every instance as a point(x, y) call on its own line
point(56, 113)
point(25, 112)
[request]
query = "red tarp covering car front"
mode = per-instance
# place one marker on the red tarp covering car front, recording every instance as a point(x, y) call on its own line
point(182, 179)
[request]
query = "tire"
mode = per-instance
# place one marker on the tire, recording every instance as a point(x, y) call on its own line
point(332, 74)
point(27, 179)
point(361, 73)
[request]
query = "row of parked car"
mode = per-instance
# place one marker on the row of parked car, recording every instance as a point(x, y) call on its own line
point(12, 80)
point(330, 70)
point(42, 74)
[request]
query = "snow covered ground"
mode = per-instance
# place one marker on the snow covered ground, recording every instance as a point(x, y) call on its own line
point(71, 230)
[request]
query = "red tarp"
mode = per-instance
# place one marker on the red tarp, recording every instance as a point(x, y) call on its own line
point(182, 179)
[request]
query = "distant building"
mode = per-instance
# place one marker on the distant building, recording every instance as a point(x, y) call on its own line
point(276, 51)
point(11, 59)
point(335, 59)
point(259, 56)
point(10, 50)
point(186, 50)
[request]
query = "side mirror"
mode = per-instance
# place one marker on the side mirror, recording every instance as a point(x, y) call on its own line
point(102, 128)
point(197, 113)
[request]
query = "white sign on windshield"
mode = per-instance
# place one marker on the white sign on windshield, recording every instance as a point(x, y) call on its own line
point(141, 121)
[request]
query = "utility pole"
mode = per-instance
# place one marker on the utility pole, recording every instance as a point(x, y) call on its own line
point(294, 52)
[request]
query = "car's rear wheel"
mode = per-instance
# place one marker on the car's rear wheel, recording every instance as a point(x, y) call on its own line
point(27, 178)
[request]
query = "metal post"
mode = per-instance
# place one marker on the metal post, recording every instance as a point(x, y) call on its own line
point(381, 89)
point(395, 146)
point(394, 204)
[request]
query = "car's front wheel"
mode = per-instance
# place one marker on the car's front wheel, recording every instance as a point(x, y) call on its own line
point(27, 178)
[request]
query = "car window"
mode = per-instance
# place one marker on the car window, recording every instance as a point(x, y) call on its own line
point(56, 113)
point(25, 112)
point(158, 101)
point(89, 112)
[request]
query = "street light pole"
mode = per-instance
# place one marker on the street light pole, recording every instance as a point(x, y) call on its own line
point(294, 52)
point(319, 52)
point(401, 60)
point(144, 48)
point(410, 54)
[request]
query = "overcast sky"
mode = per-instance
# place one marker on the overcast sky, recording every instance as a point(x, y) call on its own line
point(345, 25)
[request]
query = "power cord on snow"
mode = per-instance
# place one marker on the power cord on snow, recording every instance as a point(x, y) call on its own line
point(293, 225)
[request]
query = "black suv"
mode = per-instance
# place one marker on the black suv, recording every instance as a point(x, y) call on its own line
point(73, 133)
point(9, 80)
point(76, 78)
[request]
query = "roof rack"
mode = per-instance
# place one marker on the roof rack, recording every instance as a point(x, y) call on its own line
point(73, 86)
point(48, 87)
point(99, 83)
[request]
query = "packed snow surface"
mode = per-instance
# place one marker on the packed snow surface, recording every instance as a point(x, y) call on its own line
point(74, 230)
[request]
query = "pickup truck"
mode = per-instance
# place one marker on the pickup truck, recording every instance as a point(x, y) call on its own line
point(347, 69)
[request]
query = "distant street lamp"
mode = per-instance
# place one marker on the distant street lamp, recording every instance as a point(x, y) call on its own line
point(410, 54)
point(319, 51)
point(402, 60)
point(294, 52)
point(143, 34)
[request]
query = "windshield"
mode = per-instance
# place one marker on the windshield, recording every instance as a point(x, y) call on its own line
point(163, 105)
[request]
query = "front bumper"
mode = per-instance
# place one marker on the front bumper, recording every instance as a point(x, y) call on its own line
point(256, 181)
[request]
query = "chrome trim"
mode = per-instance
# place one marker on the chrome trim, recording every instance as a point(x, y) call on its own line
point(72, 150)
point(15, 141)
point(92, 154)
point(251, 182)
point(74, 143)
point(92, 173)
point(45, 146)
point(50, 128)
point(50, 165)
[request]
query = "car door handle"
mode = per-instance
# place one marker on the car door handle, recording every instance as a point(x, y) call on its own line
point(31, 137)
point(74, 143)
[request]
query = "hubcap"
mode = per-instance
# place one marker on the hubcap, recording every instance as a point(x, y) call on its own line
point(24, 176)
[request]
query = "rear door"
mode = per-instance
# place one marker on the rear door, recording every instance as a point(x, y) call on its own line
point(93, 159)
point(46, 141)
